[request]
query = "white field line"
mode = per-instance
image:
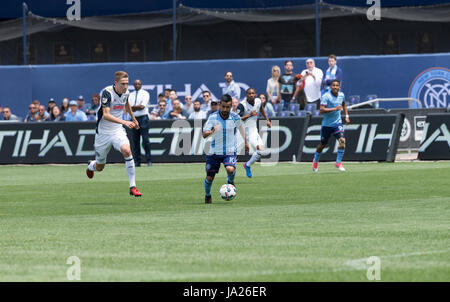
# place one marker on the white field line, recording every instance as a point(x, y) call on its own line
point(361, 264)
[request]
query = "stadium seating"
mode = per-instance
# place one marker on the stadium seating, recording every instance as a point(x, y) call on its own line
point(295, 107)
point(310, 107)
point(316, 112)
point(284, 114)
point(277, 108)
point(353, 99)
point(302, 113)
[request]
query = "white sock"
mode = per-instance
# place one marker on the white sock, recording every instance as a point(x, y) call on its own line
point(129, 164)
point(91, 166)
point(254, 158)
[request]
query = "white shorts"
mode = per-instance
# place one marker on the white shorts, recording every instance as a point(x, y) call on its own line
point(253, 139)
point(104, 141)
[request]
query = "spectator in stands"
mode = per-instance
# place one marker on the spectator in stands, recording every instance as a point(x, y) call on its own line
point(50, 104)
point(273, 85)
point(299, 93)
point(234, 105)
point(43, 115)
point(1, 109)
point(188, 106)
point(268, 107)
point(197, 114)
point(172, 97)
point(214, 108)
point(161, 97)
point(81, 105)
point(333, 73)
point(206, 106)
point(56, 115)
point(93, 107)
point(8, 116)
point(161, 112)
point(65, 105)
point(177, 112)
point(75, 114)
point(167, 93)
point(231, 87)
point(287, 85)
point(31, 116)
point(312, 76)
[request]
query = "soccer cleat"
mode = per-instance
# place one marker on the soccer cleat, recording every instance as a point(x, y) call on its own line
point(135, 192)
point(315, 166)
point(339, 166)
point(208, 199)
point(89, 173)
point(247, 170)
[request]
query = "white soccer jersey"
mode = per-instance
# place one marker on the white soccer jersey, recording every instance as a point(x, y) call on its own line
point(251, 121)
point(116, 103)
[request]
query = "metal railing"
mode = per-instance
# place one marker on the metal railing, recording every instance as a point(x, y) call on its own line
point(410, 100)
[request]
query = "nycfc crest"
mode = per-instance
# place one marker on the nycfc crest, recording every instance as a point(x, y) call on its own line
point(432, 88)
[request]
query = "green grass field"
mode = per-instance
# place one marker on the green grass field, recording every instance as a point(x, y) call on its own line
point(286, 223)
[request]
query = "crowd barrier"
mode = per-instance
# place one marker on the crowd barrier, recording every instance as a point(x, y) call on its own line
point(369, 138)
point(435, 144)
point(413, 125)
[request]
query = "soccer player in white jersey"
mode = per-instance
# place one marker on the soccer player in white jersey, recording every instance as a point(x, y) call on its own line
point(110, 131)
point(221, 125)
point(248, 110)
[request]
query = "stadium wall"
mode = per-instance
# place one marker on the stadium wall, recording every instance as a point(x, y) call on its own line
point(426, 77)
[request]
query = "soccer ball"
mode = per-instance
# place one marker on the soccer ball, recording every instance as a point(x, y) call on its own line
point(227, 192)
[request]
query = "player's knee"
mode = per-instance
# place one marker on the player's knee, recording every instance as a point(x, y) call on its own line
point(210, 177)
point(342, 143)
point(126, 152)
point(230, 169)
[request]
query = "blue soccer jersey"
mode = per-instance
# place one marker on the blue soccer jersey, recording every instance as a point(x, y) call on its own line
point(333, 118)
point(223, 141)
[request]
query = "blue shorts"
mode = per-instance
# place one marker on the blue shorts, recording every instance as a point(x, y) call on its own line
point(213, 162)
point(337, 131)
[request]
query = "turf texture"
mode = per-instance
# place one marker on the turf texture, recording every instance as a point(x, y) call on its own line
point(286, 223)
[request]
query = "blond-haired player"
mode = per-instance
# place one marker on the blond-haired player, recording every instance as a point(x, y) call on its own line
point(110, 131)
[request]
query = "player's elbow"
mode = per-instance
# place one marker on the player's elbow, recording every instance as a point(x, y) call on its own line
point(205, 134)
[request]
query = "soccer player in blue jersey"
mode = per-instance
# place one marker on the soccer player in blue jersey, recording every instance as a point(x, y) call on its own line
point(222, 125)
point(331, 105)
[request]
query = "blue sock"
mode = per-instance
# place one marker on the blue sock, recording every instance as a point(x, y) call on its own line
point(230, 177)
point(208, 185)
point(340, 154)
point(316, 157)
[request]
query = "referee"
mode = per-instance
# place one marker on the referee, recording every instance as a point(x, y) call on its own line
point(139, 100)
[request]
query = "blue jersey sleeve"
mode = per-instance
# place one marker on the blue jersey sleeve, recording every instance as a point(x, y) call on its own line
point(324, 99)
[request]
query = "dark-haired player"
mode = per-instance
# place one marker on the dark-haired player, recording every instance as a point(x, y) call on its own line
point(331, 105)
point(221, 125)
point(248, 109)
